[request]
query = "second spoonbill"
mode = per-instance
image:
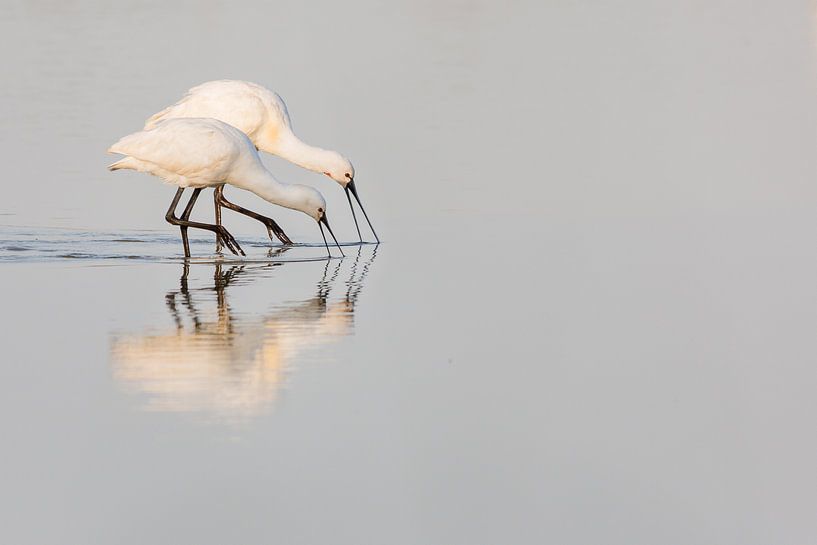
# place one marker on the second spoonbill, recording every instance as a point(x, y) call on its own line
point(263, 116)
point(200, 153)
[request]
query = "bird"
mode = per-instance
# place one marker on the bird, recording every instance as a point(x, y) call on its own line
point(198, 153)
point(263, 116)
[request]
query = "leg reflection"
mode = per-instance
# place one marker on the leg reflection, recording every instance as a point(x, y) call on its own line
point(233, 338)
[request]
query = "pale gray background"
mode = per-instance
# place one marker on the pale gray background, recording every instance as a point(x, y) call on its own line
point(593, 320)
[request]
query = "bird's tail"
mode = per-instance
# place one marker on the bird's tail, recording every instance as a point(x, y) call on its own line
point(125, 146)
point(124, 163)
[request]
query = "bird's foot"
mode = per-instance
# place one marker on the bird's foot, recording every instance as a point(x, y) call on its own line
point(274, 229)
point(229, 241)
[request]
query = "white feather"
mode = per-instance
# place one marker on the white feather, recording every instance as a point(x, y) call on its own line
point(262, 115)
point(195, 152)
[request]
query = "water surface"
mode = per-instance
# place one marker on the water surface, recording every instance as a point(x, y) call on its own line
point(592, 319)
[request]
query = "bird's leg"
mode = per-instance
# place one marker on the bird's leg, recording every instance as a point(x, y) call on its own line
point(170, 216)
point(229, 240)
point(271, 225)
point(186, 216)
point(216, 197)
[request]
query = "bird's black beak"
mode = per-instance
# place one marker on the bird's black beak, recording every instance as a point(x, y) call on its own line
point(323, 221)
point(350, 187)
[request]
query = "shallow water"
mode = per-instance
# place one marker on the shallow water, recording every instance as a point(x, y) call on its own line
point(592, 319)
point(36, 244)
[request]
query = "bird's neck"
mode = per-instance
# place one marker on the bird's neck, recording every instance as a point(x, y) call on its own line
point(291, 148)
point(265, 185)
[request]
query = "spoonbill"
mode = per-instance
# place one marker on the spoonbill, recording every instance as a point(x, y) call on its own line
point(199, 153)
point(263, 116)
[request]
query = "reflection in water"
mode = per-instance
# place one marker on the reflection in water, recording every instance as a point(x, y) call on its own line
point(231, 365)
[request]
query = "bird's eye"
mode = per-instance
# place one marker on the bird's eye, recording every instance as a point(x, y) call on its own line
point(320, 210)
point(348, 175)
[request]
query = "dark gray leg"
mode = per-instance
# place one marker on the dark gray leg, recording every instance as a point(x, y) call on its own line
point(216, 196)
point(228, 239)
point(170, 216)
point(186, 216)
point(269, 223)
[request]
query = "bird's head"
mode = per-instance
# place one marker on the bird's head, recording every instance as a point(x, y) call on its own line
point(309, 201)
point(339, 168)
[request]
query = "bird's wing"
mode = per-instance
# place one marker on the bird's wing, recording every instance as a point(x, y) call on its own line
point(234, 102)
point(181, 108)
point(273, 105)
point(191, 148)
point(192, 104)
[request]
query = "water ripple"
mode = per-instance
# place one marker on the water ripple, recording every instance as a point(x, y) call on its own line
point(24, 244)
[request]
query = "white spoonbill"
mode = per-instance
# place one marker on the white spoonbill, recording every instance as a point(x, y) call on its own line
point(199, 153)
point(262, 115)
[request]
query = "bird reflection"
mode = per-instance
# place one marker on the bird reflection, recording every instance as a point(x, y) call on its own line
point(230, 365)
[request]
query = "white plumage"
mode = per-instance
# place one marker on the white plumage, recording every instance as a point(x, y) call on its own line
point(202, 153)
point(262, 115)
point(251, 108)
point(199, 153)
point(188, 153)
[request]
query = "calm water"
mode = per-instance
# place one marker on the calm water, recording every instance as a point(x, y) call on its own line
point(592, 319)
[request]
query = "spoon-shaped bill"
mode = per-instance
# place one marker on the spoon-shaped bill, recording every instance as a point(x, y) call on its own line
point(352, 208)
point(324, 221)
point(324, 240)
point(351, 187)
